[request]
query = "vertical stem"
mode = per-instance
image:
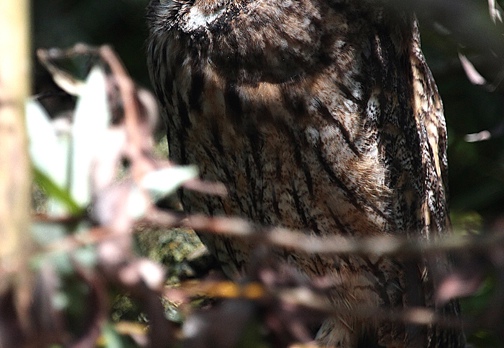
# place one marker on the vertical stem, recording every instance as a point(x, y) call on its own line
point(15, 171)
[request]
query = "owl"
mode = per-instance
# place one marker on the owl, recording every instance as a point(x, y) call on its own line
point(320, 116)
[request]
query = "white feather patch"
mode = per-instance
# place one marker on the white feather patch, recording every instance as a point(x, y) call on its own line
point(197, 19)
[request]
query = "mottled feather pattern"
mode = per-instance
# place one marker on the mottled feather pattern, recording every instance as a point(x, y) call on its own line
point(319, 116)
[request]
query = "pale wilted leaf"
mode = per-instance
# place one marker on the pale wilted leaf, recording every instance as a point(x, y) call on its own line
point(472, 74)
point(62, 78)
point(107, 161)
point(163, 182)
point(143, 270)
point(150, 108)
point(91, 120)
point(458, 285)
point(49, 153)
point(137, 203)
point(495, 11)
point(475, 137)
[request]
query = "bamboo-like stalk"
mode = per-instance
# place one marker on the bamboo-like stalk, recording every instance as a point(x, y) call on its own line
point(15, 171)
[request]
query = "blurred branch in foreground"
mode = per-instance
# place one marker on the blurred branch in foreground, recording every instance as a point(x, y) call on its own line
point(15, 179)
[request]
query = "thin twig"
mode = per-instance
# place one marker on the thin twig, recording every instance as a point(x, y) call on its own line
point(323, 245)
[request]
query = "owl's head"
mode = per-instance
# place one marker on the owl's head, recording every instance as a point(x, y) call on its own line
point(188, 15)
point(244, 40)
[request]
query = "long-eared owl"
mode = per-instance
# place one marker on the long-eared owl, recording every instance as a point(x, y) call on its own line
point(317, 115)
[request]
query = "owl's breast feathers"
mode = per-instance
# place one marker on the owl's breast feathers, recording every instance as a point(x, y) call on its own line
point(261, 88)
point(319, 116)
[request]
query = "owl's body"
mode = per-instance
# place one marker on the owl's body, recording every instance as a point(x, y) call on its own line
point(319, 116)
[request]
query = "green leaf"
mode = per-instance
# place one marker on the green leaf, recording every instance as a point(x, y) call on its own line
point(56, 192)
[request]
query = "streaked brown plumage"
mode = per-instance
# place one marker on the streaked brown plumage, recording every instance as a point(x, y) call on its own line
point(317, 115)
